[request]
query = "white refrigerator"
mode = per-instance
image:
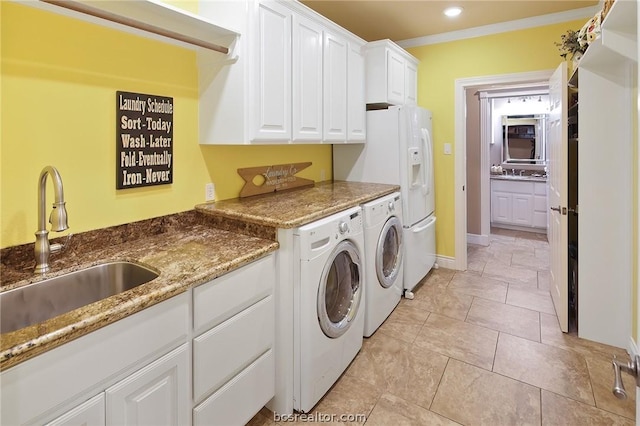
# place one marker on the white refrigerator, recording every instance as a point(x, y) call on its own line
point(399, 151)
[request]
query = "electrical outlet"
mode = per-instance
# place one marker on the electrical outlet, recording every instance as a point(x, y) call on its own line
point(322, 175)
point(210, 192)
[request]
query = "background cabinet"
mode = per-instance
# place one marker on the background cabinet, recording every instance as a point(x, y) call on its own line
point(296, 78)
point(392, 75)
point(519, 204)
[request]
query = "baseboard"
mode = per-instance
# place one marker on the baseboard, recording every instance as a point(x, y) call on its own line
point(446, 262)
point(482, 240)
point(519, 228)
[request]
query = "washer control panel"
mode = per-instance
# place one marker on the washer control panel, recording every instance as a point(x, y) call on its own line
point(350, 224)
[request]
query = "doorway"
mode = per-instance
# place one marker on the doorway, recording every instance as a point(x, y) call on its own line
point(489, 108)
point(461, 87)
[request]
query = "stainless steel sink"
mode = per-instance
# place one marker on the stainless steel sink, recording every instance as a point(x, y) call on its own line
point(40, 301)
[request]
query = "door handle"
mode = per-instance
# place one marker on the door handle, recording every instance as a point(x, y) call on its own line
point(561, 210)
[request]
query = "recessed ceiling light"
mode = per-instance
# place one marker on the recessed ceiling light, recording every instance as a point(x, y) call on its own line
point(453, 11)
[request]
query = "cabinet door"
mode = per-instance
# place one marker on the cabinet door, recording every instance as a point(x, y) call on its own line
point(271, 74)
point(356, 106)
point(522, 210)
point(335, 88)
point(501, 207)
point(307, 80)
point(395, 78)
point(411, 83)
point(90, 412)
point(158, 394)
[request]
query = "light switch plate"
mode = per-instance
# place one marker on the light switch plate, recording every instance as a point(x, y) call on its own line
point(447, 149)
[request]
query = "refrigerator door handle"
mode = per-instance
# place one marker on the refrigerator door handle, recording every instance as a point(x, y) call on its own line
point(428, 152)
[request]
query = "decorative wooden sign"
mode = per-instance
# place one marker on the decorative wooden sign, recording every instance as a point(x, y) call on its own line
point(265, 179)
point(144, 140)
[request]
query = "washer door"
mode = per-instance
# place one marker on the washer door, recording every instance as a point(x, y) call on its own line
point(340, 290)
point(389, 252)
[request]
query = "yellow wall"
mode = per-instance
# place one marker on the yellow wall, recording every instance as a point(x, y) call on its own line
point(441, 64)
point(59, 78)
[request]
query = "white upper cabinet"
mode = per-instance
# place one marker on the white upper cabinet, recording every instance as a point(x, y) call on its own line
point(356, 106)
point(307, 79)
point(270, 75)
point(335, 88)
point(392, 74)
point(298, 78)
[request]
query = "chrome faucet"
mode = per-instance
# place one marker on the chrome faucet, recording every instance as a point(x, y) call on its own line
point(58, 218)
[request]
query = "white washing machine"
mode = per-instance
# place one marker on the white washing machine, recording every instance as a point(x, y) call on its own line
point(383, 253)
point(328, 303)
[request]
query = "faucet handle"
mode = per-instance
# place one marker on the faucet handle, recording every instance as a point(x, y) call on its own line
point(59, 247)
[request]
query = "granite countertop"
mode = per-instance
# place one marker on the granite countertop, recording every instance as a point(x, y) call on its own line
point(185, 248)
point(188, 249)
point(525, 178)
point(294, 208)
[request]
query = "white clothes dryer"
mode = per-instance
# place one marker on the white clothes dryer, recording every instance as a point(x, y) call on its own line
point(328, 303)
point(384, 251)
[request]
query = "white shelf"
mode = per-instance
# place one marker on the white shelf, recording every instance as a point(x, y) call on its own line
point(619, 29)
point(607, 62)
point(148, 18)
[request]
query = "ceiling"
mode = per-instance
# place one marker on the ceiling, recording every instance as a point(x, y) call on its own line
point(402, 20)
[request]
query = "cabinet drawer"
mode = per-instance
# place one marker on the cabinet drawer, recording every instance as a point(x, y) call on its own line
point(237, 401)
point(517, 187)
point(225, 350)
point(229, 294)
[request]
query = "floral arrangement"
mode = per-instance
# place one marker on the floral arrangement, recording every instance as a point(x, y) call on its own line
point(575, 43)
point(570, 44)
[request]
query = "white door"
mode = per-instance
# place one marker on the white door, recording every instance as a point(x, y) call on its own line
point(307, 79)
point(356, 105)
point(558, 187)
point(395, 78)
point(501, 204)
point(334, 113)
point(271, 81)
point(158, 394)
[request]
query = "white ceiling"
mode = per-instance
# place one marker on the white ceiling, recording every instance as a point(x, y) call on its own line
point(402, 20)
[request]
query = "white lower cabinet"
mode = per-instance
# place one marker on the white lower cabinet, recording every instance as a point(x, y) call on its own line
point(519, 203)
point(67, 385)
point(233, 361)
point(91, 412)
point(144, 369)
point(158, 394)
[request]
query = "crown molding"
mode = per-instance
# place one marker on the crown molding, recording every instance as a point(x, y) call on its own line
point(519, 24)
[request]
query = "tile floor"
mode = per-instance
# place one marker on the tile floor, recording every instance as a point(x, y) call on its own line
point(480, 347)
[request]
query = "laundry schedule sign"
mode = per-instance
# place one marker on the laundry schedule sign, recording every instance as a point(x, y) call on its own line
point(144, 140)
